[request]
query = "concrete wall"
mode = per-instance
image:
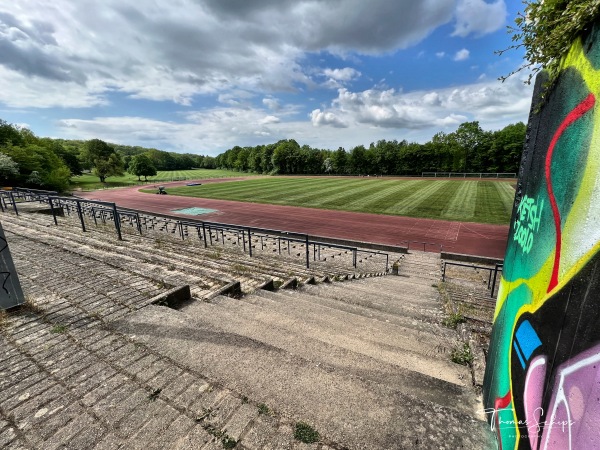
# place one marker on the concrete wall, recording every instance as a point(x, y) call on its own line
point(542, 382)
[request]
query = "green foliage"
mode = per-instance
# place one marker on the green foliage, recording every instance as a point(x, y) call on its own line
point(462, 356)
point(141, 165)
point(264, 409)
point(468, 149)
point(546, 29)
point(37, 162)
point(59, 329)
point(305, 433)
point(8, 168)
point(453, 320)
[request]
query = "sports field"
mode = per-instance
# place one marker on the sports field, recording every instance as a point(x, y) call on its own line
point(89, 182)
point(456, 200)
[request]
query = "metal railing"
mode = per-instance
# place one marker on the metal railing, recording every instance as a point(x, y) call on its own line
point(492, 275)
point(208, 233)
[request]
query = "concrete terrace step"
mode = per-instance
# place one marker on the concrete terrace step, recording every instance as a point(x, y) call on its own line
point(380, 340)
point(376, 295)
point(357, 413)
point(287, 334)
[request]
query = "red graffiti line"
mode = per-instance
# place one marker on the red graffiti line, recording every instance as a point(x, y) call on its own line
point(499, 404)
point(577, 113)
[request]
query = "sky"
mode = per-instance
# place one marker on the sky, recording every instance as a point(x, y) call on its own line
point(202, 76)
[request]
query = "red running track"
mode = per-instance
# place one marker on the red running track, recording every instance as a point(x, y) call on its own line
point(457, 237)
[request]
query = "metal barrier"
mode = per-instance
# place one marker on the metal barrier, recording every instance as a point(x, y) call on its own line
point(208, 233)
point(491, 285)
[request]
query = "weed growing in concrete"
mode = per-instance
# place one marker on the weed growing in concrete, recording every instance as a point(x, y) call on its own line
point(154, 394)
point(59, 329)
point(264, 409)
point(31, 306)
point(453, 320)
point(216, 254)
point(3, 319)
point(239, 268)
point(228, 442)
point(305, 433)
point(462, 356)
point(206, 413)
point(171, 267)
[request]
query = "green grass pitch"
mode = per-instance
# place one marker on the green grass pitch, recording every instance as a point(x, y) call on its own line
point(457, 200)
point(90, 182)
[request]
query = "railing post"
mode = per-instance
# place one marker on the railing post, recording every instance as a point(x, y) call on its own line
point(52, 209)
point(80, 214)
point(181, 229)
point(307, 253)
point(244, 240)
point(137, 218)
point(12, 199)
point(204, 235)
point(444, 272)
point(249, 243)
point(117, 220)
point(354, 257)
point(387, 262)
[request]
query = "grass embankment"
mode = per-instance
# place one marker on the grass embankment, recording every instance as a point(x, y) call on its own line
point(464, 201)
point(88, 182)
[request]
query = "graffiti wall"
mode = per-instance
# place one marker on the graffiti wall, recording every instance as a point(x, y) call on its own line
point(542, 382)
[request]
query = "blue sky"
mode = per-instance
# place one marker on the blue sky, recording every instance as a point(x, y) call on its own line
point(201, 76)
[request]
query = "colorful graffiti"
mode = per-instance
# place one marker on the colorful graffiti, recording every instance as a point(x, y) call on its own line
point(542, 381)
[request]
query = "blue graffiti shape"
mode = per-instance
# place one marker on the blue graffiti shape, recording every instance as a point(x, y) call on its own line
point(526, 342)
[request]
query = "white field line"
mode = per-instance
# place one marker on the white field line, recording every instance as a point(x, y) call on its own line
point(462, 205)
point(412, 201)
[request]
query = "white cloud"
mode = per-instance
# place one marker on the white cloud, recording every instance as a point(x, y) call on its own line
point(269, 119)
point(271, 103)
point(440, 54)
point(320, 118)
point(345, 74)
point(479, 17)
point(493, 103)
point(462, 55)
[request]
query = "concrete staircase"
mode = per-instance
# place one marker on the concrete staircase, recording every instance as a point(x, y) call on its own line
point(366, 362)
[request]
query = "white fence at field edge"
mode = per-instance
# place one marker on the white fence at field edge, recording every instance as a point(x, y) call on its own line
point(468, 175)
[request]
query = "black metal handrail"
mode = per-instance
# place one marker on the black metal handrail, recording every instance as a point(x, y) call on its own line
point(491, 285)
point(107, 211)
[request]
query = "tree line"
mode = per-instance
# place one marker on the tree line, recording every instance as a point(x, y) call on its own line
point(31, 161)
point(468, 149)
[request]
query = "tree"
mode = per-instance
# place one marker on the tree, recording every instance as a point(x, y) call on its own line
point(8, 168)
point(141, 165)
point(34, 179)
point(106, 162)
point(111, 167)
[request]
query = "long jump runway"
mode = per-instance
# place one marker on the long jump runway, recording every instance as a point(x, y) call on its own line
point(456, 237)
